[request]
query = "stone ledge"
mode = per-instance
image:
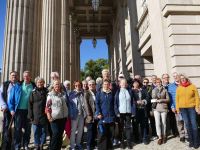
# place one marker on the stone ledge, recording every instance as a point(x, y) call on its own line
point(181, 10)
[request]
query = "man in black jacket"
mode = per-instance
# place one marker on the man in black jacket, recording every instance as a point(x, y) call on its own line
point(4, 92)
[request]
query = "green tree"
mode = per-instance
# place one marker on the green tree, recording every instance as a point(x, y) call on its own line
point(93, 68)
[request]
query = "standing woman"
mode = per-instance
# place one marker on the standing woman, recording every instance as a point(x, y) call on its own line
point(36, 113)
point(106, 115)
point(160, 107)
point(187, 103)
point(77, 115)
point(124, 109)
point(57, 112)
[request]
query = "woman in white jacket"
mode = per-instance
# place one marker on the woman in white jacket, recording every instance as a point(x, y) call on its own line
point(57, 112)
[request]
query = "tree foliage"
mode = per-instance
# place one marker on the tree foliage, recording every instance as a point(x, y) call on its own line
point(93, 68)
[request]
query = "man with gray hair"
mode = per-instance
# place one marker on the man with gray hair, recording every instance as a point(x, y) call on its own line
point(4, 93)
point(18, 105)
point(66, 84)
point(91, 122)
point(172, 94)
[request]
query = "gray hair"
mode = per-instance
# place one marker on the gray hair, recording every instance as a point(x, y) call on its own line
point(55, 74)
point(99, 80)
point(91, 82)
point(66, 82)
point(39, 79)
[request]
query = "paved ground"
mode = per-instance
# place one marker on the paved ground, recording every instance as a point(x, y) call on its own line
point(172, 144)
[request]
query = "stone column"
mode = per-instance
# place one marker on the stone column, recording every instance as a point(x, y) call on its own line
point(65, 60)
point(78, 43)
point(71, 48)
point(136, 56)
point(35, 71)
point(121, 11)
point(50, 48)
point(18, 32)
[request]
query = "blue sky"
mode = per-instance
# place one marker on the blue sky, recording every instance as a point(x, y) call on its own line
point(87, 50)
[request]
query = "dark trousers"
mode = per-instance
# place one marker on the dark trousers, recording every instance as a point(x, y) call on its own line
point(171, 123)
point(153, 125)
point(142, 121)
point(21, 122)
point(6, 133)
point(136, 136)
point(125, 127)
point(189, 117)
point(91, 134)
point(57, 128)
point(105, 139)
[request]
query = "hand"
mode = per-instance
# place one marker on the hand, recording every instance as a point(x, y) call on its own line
point(198, 111)
point(118, 115)
point(99, 116)
point(4, 110)
point(49, 117)
point(158, 101)
point(174, 110)
point(139, 102)
point(12, 113)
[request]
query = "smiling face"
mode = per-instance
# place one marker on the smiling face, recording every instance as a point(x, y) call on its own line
point(158, 82)
point(77, 86)
point(176, 77)
point(57, 86)
point(13, 77)
point(183, 79)
point(165, 79)
point(123, 83)
point(27, 77)
point(40, 84)
point(106, 85)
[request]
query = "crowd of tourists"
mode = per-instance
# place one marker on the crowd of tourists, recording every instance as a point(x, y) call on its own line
point(121, 113)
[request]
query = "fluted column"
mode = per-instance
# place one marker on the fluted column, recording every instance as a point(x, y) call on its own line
point(65, 60)
point(36, 39)
point(121, 10)
point(18, 37)
point(71, 48)
point(50, 49)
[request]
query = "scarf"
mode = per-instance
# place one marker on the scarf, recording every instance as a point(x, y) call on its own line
point(185, 84)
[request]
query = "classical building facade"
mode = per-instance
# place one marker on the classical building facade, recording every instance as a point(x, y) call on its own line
point(144, 36)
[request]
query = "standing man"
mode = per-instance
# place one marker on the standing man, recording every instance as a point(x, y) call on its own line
point(4, 92)
point(90, 108)
point(18, 105)
point(172, 94)
point(171, 121)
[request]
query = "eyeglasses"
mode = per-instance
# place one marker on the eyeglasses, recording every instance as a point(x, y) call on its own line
point(145, 82)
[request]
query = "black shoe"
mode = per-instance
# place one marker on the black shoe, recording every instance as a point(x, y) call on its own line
point(146, 142)
point(182, 139)
point(129, 145)
point(122, 145)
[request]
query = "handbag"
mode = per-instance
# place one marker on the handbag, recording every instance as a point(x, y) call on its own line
point(65, 140)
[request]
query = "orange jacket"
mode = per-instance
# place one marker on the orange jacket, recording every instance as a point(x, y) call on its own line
point(187, 97)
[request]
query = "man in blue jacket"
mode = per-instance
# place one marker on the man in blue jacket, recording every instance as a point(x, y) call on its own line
point(4, 93)
point(172, 94)
point(18, 106)
point(106, 115)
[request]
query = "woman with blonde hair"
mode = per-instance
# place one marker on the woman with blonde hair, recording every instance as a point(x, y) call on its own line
point(57, 112)
point(160, 107)
point(187, 103)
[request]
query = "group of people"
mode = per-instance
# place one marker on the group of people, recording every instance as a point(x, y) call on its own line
point(114, 112)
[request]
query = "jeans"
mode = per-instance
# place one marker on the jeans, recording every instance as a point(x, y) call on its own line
point(7, 135)
point(142, 120)
point(21, 122)
point(105, 140)
point(91, 134)
point(161, 125)
point(76, 125)
point(189, 117)
point(125, 127)
point(57, 128)
point(39, 134)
